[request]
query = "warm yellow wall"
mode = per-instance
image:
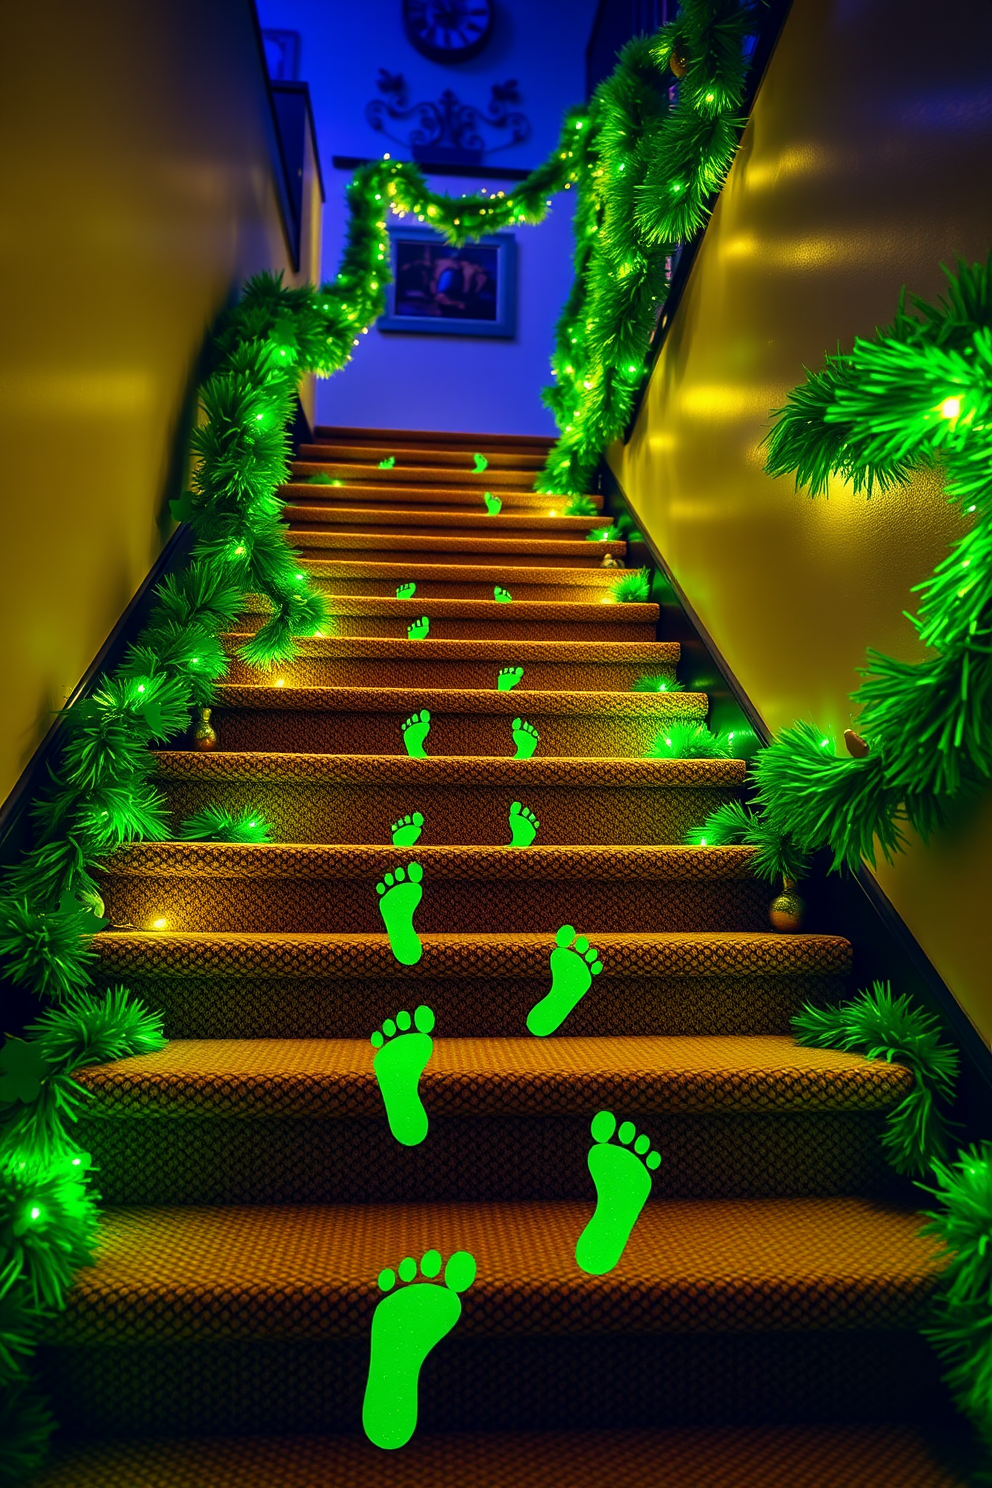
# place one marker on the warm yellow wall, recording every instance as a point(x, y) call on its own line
point(136, 192)
point(865, 163)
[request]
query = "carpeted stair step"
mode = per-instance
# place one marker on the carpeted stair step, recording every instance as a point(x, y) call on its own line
point(713, 1457)
point(312, 512)
point(425, 475)
point(463, 721)
point(394, 547)
point(405, 453)
point(355, 798)
point(248, 1318)
point(478, 619)
point(357, 661)
point(302, 1121)
point(335, 985)
point(368, 576)
point(220, 887)
point(350, 489)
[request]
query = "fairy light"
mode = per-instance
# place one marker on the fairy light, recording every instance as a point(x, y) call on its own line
point(950, 408)
point(159, 924)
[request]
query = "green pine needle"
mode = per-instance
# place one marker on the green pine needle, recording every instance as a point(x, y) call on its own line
point(580, 506)
point(690, 740)
point(656, 683)
point(47, 952)
point(892, 1028)
point(217, 824)
point(632, 588)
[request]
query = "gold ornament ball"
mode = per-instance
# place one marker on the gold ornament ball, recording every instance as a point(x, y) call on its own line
point(679, 60)
point(205, 735)
point(788, 911)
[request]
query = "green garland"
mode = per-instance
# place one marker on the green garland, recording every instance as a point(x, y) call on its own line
point(918, 394)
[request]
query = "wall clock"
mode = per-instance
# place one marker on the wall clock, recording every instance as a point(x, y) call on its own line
point(448, 30)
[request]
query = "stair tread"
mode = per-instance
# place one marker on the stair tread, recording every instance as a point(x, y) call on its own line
point(404, 454)
point(660, 705)
point(504, 574)
point(537, 610)
point(512, 954)
point(650, 1073)
point(453, 769)
point(437, 478)
point(700, 1265)
point(657, 653)
point(874, 1456)
point(326, 513)
point(307, 539)
point(477, 864)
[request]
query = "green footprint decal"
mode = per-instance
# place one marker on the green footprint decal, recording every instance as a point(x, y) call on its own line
point(399, 894)
point(508, 678)
point(493, 504)
point(415, 731)
point(623, 1182)
point(407, 830)
point(502, 596)
point(418, 630)
point(399, 1064)
point(406, 591)
point(523, 825)
point(388, 463)
point(406, 1325)
point(481, 464)
point(525, 737)
point(573, 967)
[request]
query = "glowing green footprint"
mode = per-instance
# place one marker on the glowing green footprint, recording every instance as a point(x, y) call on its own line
point(407, 830)
point(502, 596)
point(406, 1325)
point(508, 678)
point(523, 825)
point(623, 1183)
point(398, 1067)
point(481, 463)
point(493, 504)
point(572, 970)
point(406, 591)
point(399, 894)
point(525, 737)
point(415, 731)
point(417, 630)
point(388, 463)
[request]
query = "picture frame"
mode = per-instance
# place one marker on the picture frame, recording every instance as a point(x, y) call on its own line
point(438, 290)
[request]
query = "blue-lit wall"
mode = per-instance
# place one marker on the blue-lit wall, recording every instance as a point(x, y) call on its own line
point(440, 382)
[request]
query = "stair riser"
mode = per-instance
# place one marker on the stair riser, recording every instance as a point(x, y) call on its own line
point(520, 553)
point(389, 671)
point(455, 734)
point(348, 905)
point(597, 589)
point(422, 455)
point(422, 498)
point(423, 476)
point(280, 1160)
point(247, 1004)
point(312, 515)
point(444, 628)
point(460, 815)
point(492, 1384)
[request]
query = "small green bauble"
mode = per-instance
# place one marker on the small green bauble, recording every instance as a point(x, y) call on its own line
point(787, 912)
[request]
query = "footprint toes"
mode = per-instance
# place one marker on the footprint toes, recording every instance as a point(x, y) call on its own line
point(389, 1028)
point(565, 936)
point(387, 1279)
point(399, 875)
point(626, 1132)
point(407, 1268)
point(459, 1273)
point(653, 1160)
point(423, 1018)
point(417, 819)
point(516, 723)
point(403, 1021)
point(595, 966)
point(581, 945)
point(603, 1125)
point(414, 872)
point(642, 1144)
point(425, 717)
point(377, 1040)
point(430, 1264)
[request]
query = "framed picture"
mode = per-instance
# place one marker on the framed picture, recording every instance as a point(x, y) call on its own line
point(443, 291)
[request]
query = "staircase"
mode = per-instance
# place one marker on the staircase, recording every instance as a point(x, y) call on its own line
point(760, 1327)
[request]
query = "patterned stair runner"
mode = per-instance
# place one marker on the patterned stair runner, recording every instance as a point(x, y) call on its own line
point(761, 1326)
